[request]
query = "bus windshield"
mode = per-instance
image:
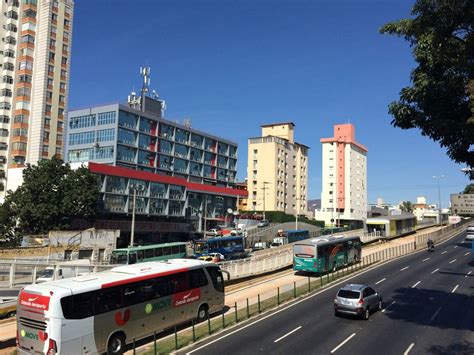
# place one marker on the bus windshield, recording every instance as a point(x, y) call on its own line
point(304, 251)
point(119, 257)
point(47, 273)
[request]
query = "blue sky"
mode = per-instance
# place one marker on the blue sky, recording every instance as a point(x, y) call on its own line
point(231, 66)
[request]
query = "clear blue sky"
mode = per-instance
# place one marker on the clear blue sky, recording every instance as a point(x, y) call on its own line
point(231, 66)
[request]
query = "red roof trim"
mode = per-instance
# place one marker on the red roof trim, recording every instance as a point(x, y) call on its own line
point(145, 175)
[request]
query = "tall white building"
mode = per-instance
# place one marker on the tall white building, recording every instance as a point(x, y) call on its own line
point(344, 179)
point(36, 49)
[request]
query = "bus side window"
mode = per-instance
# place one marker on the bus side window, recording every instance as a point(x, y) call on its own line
point(197, 278)
point(216, 277)
point(175, 249)
point(162, 287)
point(167, 251)
point(132, 258)
point(179, 282)
point(159, 252)
point(149, 253)
point(182, 248)
point(140, 255)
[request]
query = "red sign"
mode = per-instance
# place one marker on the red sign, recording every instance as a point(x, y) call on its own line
point(120, 319)
point(183, 298)
point(34, 301)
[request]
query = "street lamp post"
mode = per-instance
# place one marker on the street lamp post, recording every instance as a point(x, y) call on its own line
point(134, 187)
point(439, 197)
point(264, 188)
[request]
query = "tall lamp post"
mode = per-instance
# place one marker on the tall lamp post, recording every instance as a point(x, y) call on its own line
point(135, 188)
point(264, 188)
point(439, 197)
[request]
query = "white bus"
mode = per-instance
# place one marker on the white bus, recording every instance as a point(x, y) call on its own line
point(102, 312)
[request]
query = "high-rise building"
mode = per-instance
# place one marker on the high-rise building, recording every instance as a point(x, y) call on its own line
point(36, 50)
point(344, 181)
point(277, 171)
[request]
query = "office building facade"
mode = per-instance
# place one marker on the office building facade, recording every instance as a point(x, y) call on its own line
point(344, 179)
point(277, 171)
point(177, 173)
point(35, 81)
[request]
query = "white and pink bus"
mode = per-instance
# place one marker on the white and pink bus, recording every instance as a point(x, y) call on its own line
point(102, 312)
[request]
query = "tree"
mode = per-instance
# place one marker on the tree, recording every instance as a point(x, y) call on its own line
point(52, 195)
point(469, 189)
point(440, 100)
point(7, 224)
point(406, 206)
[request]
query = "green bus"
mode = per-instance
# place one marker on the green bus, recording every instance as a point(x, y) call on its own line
point(325, 254)
point(144, 253)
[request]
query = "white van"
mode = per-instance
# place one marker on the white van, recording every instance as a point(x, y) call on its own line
point(64, 271)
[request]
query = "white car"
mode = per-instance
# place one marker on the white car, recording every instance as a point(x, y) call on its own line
point(470, 236)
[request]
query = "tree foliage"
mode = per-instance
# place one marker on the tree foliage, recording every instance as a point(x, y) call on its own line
point(469, 189)
point(440, 100)
point(406, 206)
point(52, 196)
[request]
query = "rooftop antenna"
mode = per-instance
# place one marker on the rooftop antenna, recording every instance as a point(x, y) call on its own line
point(145, 72)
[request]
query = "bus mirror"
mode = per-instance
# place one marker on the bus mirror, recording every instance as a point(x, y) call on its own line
point(227, 273)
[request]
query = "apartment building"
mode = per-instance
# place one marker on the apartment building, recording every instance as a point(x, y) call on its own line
point(344, 179)
point(36, 40)
point(277, 171)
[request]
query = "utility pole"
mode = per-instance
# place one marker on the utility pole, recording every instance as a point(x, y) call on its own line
point(439, 199)
point(134, 187)
point(205, 216)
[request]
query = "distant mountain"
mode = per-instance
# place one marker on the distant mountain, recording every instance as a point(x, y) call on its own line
point(314, 205)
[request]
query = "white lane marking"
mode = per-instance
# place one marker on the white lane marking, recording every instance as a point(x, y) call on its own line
point(435, 314)
point(452, 261)
point(406, 267)
point(425, 259)
point(469, 273)
point(467, 253)
point(407, 351)
point(284, 336)
point(383, 310)
point(345, 341)
point(434, 271)
point(454, 289)
point(416, 284)
point(380, 281)
point(455, 246)
point(444, 252)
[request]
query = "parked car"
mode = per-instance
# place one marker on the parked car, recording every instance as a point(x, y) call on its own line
point(214, 257)
point(470, 236)
point(357, 300)
point(214, 232)
point(263, 223)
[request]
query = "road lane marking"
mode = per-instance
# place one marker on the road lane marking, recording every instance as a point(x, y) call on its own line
point(435, 314)
point(406, 267)
point(452, 261)
point(455, 246)
point(416, 284)
point(469, 273)
point(380, 281)
point(467, 253)
point(345, 341)
point(434, 271)
point(284, 336)
point(407, 351)
point(391, 304)
point(444, 252)
point(425, 259)
point(454, 289)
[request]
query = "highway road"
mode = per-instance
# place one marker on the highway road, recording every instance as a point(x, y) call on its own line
point(428, 307)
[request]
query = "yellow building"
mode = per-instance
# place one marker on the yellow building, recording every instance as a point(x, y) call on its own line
point(277, 171)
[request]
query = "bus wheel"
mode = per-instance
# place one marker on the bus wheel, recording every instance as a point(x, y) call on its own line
point(203, 313)
point(116, 345)
point(11, 314)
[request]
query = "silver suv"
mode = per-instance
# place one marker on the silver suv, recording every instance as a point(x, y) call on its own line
point(357, 300)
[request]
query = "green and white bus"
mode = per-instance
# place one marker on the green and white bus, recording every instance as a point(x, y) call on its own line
point(326, 253)
point(145, 253)
point(103, 312)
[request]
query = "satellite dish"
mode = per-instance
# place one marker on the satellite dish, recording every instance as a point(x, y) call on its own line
point(229, 210)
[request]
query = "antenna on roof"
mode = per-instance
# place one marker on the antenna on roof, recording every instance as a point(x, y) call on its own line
point(145, 72)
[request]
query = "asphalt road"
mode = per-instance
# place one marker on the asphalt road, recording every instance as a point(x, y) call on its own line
point(428, 309)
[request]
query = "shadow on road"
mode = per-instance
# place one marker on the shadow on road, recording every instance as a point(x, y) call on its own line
point(418, 306)
point(461, 348)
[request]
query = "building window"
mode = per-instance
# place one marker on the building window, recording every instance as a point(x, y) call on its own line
point(61, 112)
point(25, 78)
point(27, 39)
point(64, 61)
point(54, 17)
point(20, 132)
point(8, 66)
point(9, 53)
point(106, 135)
point(63, 73)
point(82, 121)
point(47, 108)
point(23, 92)
point(62, 98)
point(6, 93)
point(78, 155)
point(66, 22)
point(19, 146)
point(82, 138)
point(26, 64)
point(51, 56)
point(62, 86)
point(104, 152)
point(105, 117)
point(7, 79)
point(49, 95)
